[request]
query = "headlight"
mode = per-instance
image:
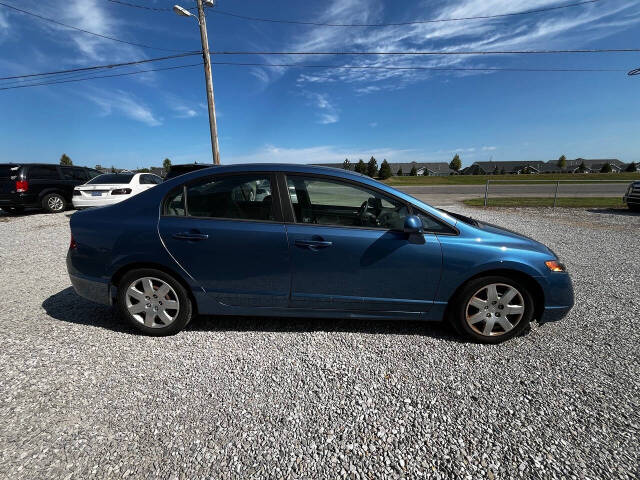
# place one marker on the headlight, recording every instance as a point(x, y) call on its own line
point(555, 266)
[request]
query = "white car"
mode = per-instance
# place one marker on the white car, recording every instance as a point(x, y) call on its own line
point(111, 188)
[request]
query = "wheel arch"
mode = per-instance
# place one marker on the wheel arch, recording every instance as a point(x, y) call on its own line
point(123, 270)
point(530, 282)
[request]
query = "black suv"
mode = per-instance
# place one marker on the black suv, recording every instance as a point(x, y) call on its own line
point(40, 185)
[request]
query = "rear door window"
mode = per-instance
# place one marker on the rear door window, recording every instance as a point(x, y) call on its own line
point(43, 172)
point(9, 171)
point(74, 173)
point(239, 197)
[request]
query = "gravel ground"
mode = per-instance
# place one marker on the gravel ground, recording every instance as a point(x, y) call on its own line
point(83, 396)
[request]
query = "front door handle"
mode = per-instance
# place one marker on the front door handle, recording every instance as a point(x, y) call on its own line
point(313, 244)
point(193, 236)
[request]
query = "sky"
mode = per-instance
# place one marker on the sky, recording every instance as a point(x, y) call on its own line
point(313, 115)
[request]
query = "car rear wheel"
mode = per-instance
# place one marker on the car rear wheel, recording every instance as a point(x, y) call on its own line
point(492, 309)
point(54, 203)
point(634, 207)
point(154, 302)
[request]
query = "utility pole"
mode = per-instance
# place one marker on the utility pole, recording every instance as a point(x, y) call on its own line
point(213, 126)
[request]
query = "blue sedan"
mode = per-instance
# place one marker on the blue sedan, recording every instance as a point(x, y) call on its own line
point(293, 240)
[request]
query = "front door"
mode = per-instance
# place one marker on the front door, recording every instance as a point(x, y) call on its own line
point(230, 239)
point(348, 250)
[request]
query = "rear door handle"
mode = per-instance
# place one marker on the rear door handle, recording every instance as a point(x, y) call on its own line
point(313, 244)
point(190, 236)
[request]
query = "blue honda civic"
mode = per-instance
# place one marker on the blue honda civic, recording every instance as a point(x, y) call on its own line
point(304, 241)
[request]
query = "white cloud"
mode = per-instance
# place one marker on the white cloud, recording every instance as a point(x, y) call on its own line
point(572, 27)
point(328, 112)
point(488, 148)
point(124, 103)
point(373, 124)
point(327, 154)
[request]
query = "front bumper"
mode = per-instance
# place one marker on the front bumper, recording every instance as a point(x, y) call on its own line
point(558, 296)
point(631, 199)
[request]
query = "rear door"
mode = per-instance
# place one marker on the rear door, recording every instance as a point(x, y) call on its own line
point(349, 251)
point(232, 242)
point(44, 179)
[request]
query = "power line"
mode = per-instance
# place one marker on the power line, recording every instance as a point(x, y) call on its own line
point(335, 67)
point(98, 67)
point(443, 52)
point(142, 7)
point(101, 76)
point(46, 19)
point(415, 22)
point(463, 69)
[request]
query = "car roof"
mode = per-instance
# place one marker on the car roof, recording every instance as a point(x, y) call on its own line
point(282, 167)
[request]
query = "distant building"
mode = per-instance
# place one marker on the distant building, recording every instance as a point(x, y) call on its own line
point(437, 169)
point(507, 167)
point(591, 165)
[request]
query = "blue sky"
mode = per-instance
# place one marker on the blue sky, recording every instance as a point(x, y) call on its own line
point(313, 115)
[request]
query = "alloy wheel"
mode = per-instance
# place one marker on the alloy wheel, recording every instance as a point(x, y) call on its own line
point(55, 203)
point(495, 309)
point(152, 302)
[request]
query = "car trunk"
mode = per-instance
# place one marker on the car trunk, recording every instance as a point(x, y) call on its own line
point(98, 190)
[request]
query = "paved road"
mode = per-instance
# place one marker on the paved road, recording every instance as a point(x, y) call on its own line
point(442, 195)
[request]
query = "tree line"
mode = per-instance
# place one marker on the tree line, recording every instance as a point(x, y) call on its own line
point(166, 165)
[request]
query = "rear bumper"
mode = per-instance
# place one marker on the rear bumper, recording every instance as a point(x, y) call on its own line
point(95, 289)
point(84, 202)
point(18, 200)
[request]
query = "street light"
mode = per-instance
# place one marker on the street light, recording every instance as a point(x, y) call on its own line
point(202, 22)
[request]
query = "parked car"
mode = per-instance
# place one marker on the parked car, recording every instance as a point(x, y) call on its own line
point(40, 185)
point(111, 188)
point(181, 169)
point(632, 197)
point(346, 246)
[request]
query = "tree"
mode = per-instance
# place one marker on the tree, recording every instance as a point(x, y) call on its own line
point(400, 172)
point(562, 162)
point(166, 165)
point(372, 167)
point(346, 165)
point(414, 171)
point(502, 172)
point(65, 160)
point(113, 169)
point(582, 168)
point(456, 163)
point(425, 173)
point(496, 171)
point(606, 168)
point(385, 170)
point(632, 167)
point(361, 167)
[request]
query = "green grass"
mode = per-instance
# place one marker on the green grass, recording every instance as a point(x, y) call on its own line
point(482, 179)
point(566, 202)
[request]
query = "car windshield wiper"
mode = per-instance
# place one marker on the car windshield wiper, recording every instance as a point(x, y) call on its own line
point(463, 218)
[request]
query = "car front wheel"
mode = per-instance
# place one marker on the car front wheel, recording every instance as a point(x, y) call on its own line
point(492, 309)
point(154, 302)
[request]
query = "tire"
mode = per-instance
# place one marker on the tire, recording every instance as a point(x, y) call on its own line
point(634, 207)
point(475, 310)
point(153, 316)
point(53, 203)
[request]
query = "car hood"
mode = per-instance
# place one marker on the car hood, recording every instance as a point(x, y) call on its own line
point(513, 239)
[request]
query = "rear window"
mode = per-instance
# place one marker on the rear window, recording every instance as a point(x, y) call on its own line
point(111, 178)
point(8, 171)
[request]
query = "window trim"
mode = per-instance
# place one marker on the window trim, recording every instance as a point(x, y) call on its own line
point(271, 176)
point(45, 165)
point(410, 206)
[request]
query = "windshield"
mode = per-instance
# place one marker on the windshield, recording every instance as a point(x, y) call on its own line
point(111, 178)
point(8, 171)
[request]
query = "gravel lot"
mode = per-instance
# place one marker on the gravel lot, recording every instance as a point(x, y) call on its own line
point(84, 396)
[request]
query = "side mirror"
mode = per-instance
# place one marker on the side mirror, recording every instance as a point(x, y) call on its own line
point(412, 225)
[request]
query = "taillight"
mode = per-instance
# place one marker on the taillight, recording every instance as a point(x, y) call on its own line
point(22, 186)
point(121, 191)
point(76, 193)
point(72, 244)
